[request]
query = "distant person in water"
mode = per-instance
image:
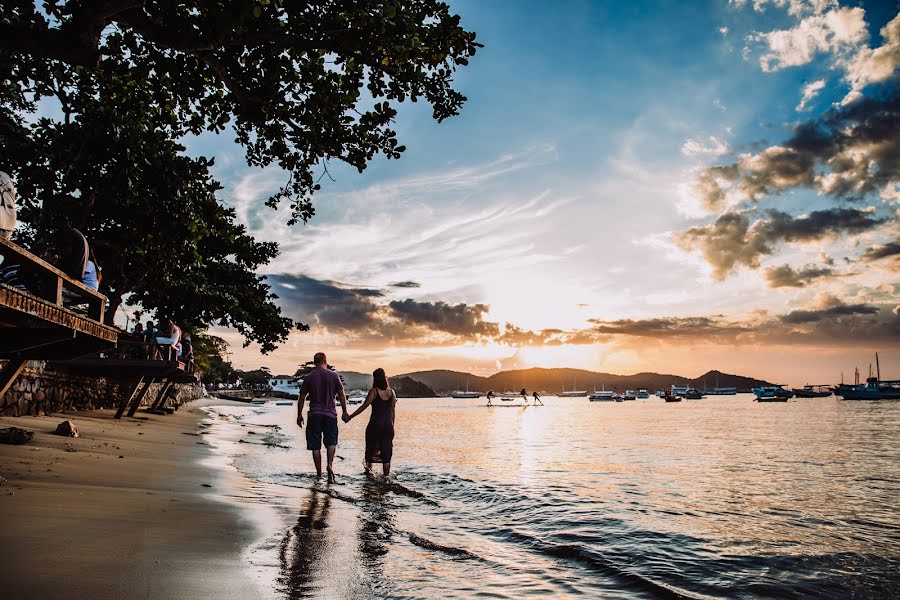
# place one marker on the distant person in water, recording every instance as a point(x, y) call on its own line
point(490, 396)
point(537, 399)
point(380, 430)
point(524, 393)
point(321, 386)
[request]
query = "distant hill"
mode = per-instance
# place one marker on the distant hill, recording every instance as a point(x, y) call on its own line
point(553, 381)
point(356, 381)
point(407, 387)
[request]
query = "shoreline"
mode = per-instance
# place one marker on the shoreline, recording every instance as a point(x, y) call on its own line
point(136, 508)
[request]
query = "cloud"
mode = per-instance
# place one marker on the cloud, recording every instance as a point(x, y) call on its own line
point(715, 147)
point(326, 304)
point(786, 276)
point(733, 240)
point(406, 284)
point(840, 32)
point(671, 327)
point(810, 91)
point(829, 307)
point(848, 153)
point(888, 250)
point(464, 320)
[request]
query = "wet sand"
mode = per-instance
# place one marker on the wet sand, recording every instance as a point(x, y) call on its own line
point(127, 510)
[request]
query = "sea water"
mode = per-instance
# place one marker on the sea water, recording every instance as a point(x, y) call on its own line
point(721, 497)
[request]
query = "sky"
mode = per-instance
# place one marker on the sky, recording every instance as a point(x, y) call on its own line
point(631, 186)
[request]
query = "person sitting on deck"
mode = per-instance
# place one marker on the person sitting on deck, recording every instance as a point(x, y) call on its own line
point(138, 331)
point(170, 336)
point(187, 350)
point(93, 274)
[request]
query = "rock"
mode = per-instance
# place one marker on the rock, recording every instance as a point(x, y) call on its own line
point(15, 435)
point(67, 428)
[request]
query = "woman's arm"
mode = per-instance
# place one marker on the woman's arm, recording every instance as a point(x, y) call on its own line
point(369, 398)
point(394, 407)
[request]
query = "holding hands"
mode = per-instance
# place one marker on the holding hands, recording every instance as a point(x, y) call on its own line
point(346, 418)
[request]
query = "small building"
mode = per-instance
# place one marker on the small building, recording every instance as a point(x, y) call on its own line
point(282, 381)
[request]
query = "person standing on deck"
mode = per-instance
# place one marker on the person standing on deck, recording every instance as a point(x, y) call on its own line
point(321, 386)
point(7, 205)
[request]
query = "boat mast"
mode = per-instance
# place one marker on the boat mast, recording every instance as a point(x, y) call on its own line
point(877, 367)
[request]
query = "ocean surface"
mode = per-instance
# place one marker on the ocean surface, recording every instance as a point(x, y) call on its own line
point(715, 498)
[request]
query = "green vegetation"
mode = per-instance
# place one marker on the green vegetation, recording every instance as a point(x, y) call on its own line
point(96, 98)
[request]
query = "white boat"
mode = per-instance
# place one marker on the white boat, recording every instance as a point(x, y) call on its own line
point(573, 393)
point(643, 394)
point(507, 396)
point(356, 397)
point(465, 394)
point(722, 391)
point(629, 395)
point(679, 390)
point(603, 396)
point(661, 393)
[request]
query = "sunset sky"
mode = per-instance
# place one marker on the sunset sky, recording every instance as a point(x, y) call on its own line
point(631, 186)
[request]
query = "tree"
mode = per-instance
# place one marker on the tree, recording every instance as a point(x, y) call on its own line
point(129, 79)
point(256, 379)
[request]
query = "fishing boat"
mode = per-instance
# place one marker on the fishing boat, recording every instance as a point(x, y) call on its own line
point(812, 391)
point(772, 393)
point(573, 393)
point(668, 396)
point(873, 389)
point(693, 394)
point(603, 396)
point(629, 395)
point(643, 394)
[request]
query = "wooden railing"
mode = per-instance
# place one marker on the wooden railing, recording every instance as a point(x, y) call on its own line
point(54, 282)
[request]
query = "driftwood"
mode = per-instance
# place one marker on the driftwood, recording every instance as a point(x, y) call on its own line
point(15, 435)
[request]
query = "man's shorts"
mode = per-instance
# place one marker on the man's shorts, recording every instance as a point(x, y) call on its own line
point(319, 429)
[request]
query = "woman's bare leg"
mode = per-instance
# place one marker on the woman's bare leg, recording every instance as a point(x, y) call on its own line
point(369, 469)
point(386, 469)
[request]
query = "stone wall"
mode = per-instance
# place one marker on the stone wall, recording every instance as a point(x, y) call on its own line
point(42, 389)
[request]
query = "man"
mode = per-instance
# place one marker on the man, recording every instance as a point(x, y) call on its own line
point(321, 386)
point(7, 205)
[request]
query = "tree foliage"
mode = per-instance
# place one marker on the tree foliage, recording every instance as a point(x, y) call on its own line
point(298, 83)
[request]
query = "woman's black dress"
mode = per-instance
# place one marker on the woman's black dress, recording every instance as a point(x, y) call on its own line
point(380, 430)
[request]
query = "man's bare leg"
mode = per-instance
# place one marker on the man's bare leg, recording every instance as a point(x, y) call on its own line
point(317, 459)
point(331, 452)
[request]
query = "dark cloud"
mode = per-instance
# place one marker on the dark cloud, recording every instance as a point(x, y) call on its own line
point(326, 303)
point(732, 240)
point(849, 153)
point(670, 327)
point(456, 319)
point(889, 250)
point(839, 310)
point(406, 284)
point(786, 276)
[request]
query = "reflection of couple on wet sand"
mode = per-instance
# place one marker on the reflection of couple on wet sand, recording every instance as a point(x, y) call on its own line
point(321, 386)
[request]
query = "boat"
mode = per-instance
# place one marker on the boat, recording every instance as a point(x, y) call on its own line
point(573, 393)
point(643, 394)
point(693, 394)
point(722, 391)
point(465, 394)
point(679, 390)
point(812, 391)
point(772, 393)
point(668, 396)
point(874, 389)
point(661, 393)
point(510, 396)
point(603, 396)
point(284, 402)
point(356, 397)
point(629, 395)
point(258, 401)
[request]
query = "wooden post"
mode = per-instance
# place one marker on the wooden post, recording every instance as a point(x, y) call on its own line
point(10, 373)
point(125, 401)
point(161, 398)
point(137, 401)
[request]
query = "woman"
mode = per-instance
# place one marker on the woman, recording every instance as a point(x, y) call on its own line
point(380, 431)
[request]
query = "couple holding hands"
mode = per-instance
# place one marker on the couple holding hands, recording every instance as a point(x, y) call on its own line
point(321, 386)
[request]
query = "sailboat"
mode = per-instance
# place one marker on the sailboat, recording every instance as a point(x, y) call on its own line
point(465, 394)
point(573, 393)
point(873, 389)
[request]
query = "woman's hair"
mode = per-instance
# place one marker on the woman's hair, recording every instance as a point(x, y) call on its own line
point(379, 379)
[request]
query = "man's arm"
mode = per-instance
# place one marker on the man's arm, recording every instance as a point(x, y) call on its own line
point(343, 398)
point(300, 402)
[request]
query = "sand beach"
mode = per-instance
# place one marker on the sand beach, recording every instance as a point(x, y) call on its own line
point(123, 511)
